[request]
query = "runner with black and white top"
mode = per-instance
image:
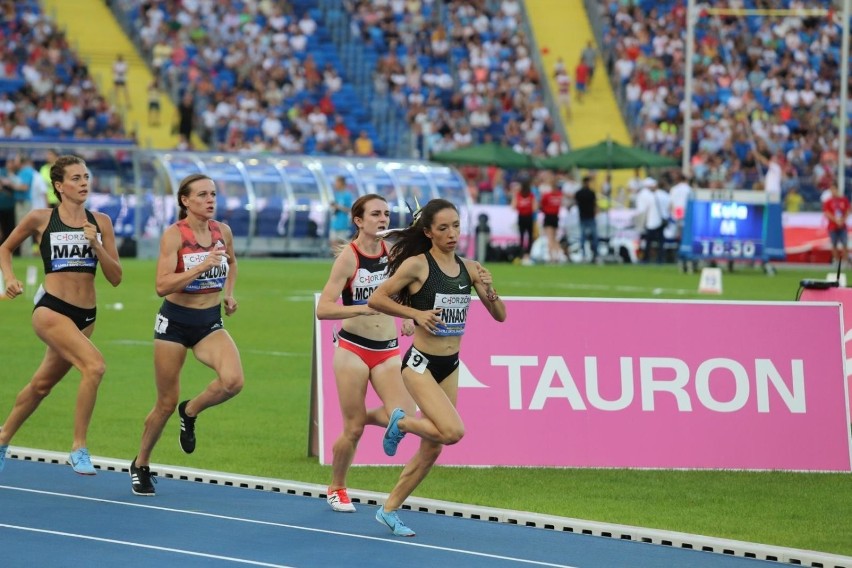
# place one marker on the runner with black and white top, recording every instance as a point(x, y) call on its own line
point(432, 285)
point(73, 242)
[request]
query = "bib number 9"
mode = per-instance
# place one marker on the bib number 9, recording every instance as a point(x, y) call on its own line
point(417, 361)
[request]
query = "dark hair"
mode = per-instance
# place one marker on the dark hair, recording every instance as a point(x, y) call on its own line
point(184, 191)
point(413, 240)
point(525, 186)
point(57, 170)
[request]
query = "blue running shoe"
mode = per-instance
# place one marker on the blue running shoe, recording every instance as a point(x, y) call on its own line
point(391, 521)
point(3, 449)
point(81, 462)
point(393, 435)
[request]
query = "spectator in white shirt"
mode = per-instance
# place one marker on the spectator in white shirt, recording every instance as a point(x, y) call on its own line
point(21, 130)
point(652, 206)
point(307, 25)
point(66, 120)
point(556, 146)
point(271, 125)
point(46, 116)
point(680, 194)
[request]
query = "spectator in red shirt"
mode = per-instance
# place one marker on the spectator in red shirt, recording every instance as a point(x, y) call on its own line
point(325, 104)
point(523, 201)
point(342, 130)
point(581, 79)
point(551, 204)
point(836, 210)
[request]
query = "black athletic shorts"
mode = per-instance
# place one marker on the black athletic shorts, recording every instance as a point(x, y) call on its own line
point(82, 317)
point(186, 326)
point(441, 366)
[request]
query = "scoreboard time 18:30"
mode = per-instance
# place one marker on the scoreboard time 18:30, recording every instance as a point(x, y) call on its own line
point(727, 229)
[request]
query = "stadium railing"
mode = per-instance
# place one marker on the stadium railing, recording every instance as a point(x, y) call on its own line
point(275, 204)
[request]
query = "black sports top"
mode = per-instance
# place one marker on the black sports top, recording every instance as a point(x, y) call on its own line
point(65, 249)
point(370, 271)
point(450, 293)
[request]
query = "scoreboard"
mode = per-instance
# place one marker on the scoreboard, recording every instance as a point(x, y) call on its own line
point(725, 227)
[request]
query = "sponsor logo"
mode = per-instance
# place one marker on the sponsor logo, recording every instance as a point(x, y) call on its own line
point(365, 277)
point(194, 258)
point(68, 237)
point(443, 300)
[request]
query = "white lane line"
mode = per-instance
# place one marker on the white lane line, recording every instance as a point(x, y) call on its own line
point(284, 525)
point(148, 546)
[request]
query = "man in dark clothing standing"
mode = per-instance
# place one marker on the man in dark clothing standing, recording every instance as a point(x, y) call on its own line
point(186, 117)
point(587, 205)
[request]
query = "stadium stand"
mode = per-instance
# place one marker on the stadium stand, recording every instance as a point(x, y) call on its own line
point(766, 84)
point(417, 76)
point(263, 76)
point(461, 72)
point(386, 69)
point(46, 91)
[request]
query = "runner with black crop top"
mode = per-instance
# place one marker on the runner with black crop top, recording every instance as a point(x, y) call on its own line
point(73, 242)
point(432, 285)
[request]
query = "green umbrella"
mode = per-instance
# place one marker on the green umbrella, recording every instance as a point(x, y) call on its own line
point(608, 155)
point(488, 154)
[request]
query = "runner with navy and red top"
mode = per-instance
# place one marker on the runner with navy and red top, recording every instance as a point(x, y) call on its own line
point(367, 345)
point(196, 266)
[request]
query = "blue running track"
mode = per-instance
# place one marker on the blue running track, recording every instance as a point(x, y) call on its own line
point(51, 517)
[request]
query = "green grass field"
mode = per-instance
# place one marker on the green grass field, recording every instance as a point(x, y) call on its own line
point(264, 430)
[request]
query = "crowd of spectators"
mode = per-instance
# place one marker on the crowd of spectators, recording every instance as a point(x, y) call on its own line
point(262, 76)
point(763, 86)
point(461, 70)
point(463, 73)
point(46, 92)
point(258, 75)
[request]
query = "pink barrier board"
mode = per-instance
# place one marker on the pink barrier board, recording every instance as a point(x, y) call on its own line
point(636, 384)
point(843, 296)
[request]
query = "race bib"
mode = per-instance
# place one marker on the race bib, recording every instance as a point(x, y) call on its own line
point(161, 324)
point(417, 361)
point(453, 312)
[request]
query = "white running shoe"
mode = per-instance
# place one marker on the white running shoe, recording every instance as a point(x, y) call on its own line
point(340, 501)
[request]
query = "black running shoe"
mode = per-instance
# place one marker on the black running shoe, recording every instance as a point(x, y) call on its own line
point(187, 429)
point(141, 480)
